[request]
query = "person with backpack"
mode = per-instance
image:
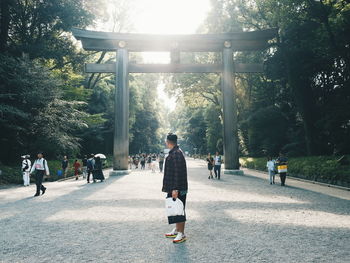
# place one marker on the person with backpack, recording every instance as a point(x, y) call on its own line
point(217, 165)
point(26, 166)
point(282, 163)
point(90, 167)
point(210, 161)
point(39, 169)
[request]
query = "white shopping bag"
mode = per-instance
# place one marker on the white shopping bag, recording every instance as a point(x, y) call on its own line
point(175, 210)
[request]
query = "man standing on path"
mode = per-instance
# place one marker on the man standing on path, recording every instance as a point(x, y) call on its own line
point(40, 169)
point(217, 165)
point(175, 182)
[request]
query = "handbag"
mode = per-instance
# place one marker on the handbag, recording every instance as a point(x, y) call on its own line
point(175, 210)
point(282, 168)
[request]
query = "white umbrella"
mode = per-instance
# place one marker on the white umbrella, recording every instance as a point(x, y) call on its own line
point(101, 155)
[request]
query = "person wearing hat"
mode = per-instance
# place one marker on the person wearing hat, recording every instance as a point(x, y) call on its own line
point(39, 169)
point(175, 183)
point(26, 166)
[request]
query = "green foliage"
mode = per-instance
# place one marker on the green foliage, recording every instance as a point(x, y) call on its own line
point(33, 115)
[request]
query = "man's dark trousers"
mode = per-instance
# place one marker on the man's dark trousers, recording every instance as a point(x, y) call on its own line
point(89, 171)
point(217, 169)
point(283, 178)
point(39, 176)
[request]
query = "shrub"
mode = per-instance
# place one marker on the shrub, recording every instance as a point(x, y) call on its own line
point(324, 169)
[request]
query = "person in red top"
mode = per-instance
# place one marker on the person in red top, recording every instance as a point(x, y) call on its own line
point(76, 166)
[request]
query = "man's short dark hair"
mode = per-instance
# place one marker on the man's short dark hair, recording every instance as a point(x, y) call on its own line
point(172, 138)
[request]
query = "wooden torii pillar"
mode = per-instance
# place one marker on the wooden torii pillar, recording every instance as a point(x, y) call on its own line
point(122, 44)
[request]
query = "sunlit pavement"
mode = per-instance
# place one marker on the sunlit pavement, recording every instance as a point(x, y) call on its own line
point(236, 219)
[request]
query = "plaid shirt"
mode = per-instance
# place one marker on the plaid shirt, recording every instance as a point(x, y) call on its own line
point(175, 174)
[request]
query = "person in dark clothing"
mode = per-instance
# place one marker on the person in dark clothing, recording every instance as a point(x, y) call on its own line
point(90, 166)
point(210, 161)
point(97, 172)
point(175, 182)
point(65, 166)
point(282, 163)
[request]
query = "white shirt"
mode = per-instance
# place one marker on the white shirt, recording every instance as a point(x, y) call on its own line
point(217, 160)
point(38, 165)
point(26, 162)
point(270, 165)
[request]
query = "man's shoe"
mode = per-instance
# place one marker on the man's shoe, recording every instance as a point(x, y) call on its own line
point(180, 238)
point(173, 233)
point(44, 191)
point(36, 194)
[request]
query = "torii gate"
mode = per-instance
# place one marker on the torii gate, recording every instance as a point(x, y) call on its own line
point(123, 43)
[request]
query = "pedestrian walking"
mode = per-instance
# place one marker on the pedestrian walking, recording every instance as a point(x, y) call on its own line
point(90, 166)
point(282, 165)
point(210, 161)
point(143, 161)
point(153, 164)
point(26, 166)
point(217, 165)
point(130, 160)
point(76, 166)
point(271, 169)
point(84, 162)
point(149, 161)
point(175, 184)
point(97, 172)
point(161, 161)
point(65, 166)
point(39, 169)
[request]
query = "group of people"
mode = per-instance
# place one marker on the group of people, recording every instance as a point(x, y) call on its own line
point(277, 166)
point(214, 163)
point(91, 165)
point(39, 169)
point(150, 159)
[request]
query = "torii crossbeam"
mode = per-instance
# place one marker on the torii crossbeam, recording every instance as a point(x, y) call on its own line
point(124, 43)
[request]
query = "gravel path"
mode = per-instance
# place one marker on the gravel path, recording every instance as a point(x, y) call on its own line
point(237, 219)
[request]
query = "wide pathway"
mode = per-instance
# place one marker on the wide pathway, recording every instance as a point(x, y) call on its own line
point(236, 219)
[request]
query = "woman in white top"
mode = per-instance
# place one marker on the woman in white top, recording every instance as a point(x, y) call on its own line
point(271, 169)
point(26, 166)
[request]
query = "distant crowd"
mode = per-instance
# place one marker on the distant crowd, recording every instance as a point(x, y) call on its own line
point(150, 161)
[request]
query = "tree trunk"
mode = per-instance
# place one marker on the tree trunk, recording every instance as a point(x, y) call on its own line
point(4, 23)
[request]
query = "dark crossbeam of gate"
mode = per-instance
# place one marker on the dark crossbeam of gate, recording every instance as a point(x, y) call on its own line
point(124, 43)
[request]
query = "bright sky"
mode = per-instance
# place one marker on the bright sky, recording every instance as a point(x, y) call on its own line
point(168, 17)
point(162, 17)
